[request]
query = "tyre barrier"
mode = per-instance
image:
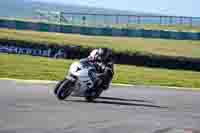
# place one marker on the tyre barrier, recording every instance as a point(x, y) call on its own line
point(105, 31)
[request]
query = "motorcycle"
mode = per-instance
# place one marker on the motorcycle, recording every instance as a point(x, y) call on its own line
point(78, 83)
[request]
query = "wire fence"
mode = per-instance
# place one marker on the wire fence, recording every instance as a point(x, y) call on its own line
point(115, 19)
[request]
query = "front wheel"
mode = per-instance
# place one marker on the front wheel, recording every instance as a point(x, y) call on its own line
point(65, 89)
point(57, 86)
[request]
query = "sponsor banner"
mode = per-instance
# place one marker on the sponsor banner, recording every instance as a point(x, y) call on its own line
point(50, 52)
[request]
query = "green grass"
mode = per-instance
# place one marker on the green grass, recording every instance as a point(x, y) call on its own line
point(180, 28)
point(28, 67)
point(185, 48)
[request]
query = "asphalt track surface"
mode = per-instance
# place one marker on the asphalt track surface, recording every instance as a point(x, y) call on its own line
point(33, 108)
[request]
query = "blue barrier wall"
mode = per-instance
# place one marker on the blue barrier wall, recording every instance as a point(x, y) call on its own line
point(106, 31)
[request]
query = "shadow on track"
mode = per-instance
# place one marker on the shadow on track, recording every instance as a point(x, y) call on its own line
point(123, 99)
point(119, 101)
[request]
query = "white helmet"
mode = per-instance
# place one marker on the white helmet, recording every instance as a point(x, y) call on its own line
point(93, 55)
point(101, 54)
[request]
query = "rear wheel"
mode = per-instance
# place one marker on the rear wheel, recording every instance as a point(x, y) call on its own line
point(97, 94)
point(65, 89)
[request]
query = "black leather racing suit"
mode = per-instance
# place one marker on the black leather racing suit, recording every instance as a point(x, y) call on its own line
point(104, 72)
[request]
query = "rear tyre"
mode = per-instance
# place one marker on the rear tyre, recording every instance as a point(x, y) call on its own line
point(89, 98)
point(65, 89)
point(97, 94)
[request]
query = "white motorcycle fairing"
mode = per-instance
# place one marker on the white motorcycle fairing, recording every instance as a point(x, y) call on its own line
point(83, 81)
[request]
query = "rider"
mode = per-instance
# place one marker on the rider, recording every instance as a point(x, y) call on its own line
point(101, 58)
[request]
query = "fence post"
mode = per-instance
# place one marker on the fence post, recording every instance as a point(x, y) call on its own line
point(104, 20)
point(138, 19)
point(160, 20)
point(171, 20)
point(60, 17)
point(117, 19)
point(191, 22)
point(95, 23)
point(129, 22)
point(181, 20)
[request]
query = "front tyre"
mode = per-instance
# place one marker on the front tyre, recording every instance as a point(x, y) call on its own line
point(57, 86)
point(65, 89)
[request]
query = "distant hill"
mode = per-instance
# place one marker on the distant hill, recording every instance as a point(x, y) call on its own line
point(27, 8)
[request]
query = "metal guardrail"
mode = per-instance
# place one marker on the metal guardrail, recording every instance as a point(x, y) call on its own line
point(116, 19)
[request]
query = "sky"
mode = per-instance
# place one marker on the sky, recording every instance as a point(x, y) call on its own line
point(168, 7)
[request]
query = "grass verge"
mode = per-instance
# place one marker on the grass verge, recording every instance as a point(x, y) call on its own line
point(175, 27)
point(28, 67)
point(185, 48)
